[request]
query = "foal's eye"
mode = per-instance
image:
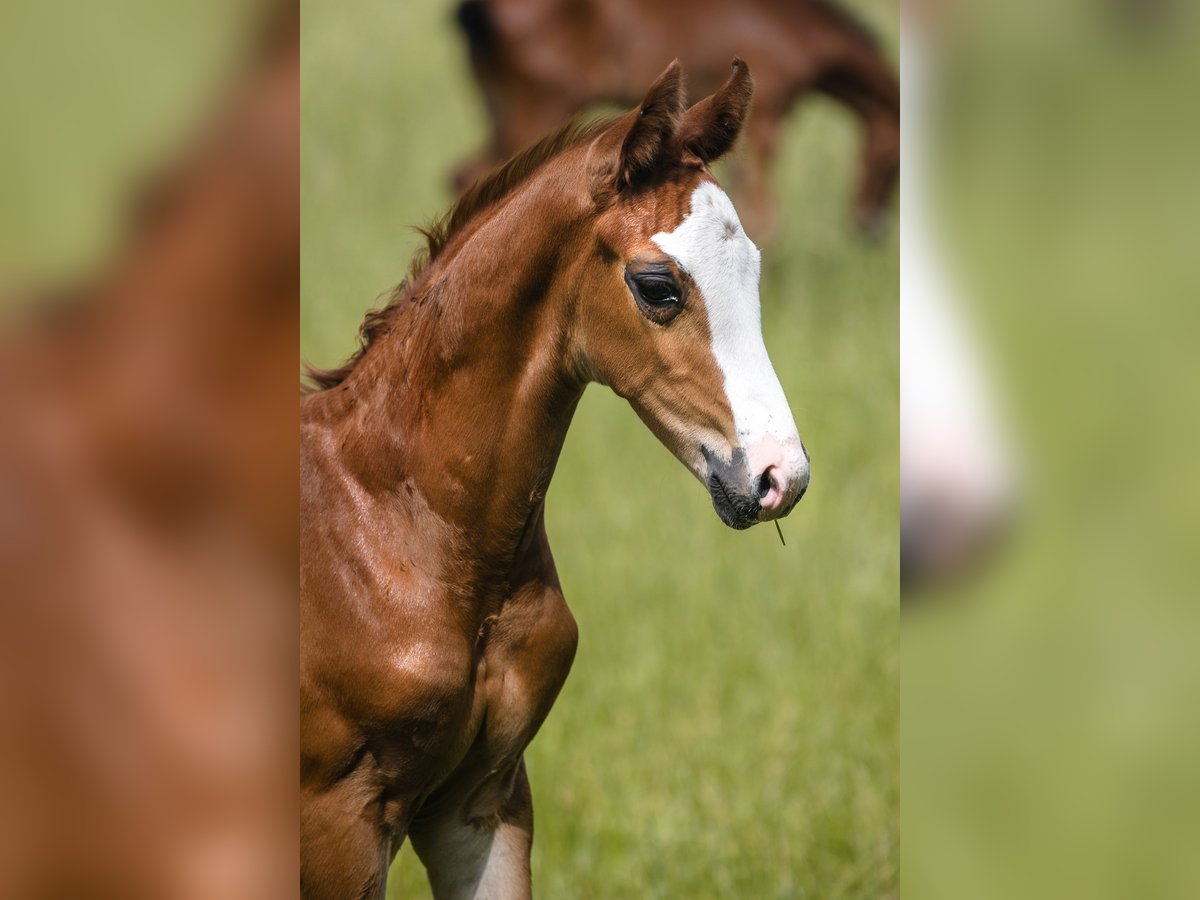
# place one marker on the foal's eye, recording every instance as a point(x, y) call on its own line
point(658, 291)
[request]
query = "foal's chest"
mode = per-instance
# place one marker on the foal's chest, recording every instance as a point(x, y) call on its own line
point(525, 653)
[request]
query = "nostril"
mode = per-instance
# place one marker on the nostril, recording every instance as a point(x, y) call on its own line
point(766, 481)
point(764, 484)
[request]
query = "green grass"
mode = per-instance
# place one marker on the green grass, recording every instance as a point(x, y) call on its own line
point(94, 97)
point(730, 724)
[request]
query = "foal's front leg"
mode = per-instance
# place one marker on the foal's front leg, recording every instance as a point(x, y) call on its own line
point(474, 853)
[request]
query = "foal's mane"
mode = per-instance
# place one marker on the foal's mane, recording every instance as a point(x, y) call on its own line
point(438, 235)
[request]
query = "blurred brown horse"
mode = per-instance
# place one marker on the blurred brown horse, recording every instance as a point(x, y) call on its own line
point(148, 483)
point(538, 62)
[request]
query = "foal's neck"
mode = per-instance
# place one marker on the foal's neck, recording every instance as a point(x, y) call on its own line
point(464, 405)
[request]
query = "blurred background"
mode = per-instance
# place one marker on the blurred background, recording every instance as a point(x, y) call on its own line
point(1049, 741)
point(119, 91)
point(730, 724)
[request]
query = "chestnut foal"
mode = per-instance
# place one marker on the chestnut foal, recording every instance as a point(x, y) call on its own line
point(434, 636)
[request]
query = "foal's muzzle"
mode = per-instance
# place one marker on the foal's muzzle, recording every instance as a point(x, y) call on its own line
point(752, 488)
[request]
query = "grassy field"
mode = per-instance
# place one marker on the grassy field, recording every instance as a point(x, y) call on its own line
point(730, 725)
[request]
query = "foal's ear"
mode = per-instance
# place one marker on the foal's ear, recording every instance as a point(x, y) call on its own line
point(711, 127)
point(654, 125)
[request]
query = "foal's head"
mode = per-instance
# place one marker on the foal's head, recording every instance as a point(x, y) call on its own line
point(668, 315)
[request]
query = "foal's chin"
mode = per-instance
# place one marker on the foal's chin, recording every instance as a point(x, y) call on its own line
point(737, 510)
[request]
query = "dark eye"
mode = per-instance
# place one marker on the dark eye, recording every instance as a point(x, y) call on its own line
point(658, 291)
point(659, 296)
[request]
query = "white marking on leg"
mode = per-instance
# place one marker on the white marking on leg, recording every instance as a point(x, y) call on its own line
point(474, 863)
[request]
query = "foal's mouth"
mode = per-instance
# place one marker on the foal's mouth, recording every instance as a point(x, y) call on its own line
point(742, 501)
point(735, 509)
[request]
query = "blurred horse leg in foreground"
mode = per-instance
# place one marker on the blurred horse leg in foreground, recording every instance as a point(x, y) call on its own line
point(147, 530)
point(537, 63)
point(956, 469)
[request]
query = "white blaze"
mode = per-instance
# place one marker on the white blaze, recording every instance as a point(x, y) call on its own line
point(710, 245)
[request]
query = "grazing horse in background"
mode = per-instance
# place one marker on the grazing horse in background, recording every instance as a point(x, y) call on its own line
point(434, 634)
point(537, 62)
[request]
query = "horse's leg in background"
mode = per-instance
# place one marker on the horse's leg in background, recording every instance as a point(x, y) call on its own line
point(880, 166)
point(342, 854)
point(861, 79)
point(474, 849)
point(484, 42)
point(750, 170)
point(521, 106)
point(476, 167)
point(520, 115)
point(880, 170)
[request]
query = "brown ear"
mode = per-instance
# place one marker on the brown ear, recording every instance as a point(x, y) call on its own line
point(711, 127)
point(653, 128)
